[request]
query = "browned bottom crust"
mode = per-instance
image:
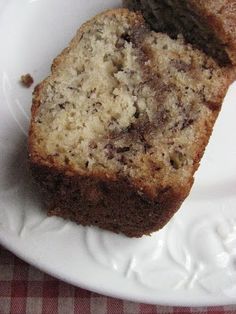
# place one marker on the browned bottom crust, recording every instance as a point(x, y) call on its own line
point(115, 206)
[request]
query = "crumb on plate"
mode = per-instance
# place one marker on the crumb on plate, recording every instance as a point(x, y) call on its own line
point(26, 80)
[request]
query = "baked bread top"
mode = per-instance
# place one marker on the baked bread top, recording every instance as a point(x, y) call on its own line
point(124, 102)
point(210, 25)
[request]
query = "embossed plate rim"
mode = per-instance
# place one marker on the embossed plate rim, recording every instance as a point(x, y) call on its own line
point(108, 292)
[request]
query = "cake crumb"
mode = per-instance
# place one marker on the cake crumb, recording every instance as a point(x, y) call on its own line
point(26, 80)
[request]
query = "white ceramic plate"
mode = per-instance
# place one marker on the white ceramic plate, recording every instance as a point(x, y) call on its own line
point(192, 261)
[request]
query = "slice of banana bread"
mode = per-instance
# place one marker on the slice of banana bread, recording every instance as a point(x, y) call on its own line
point(209, 25)
point(119, 127)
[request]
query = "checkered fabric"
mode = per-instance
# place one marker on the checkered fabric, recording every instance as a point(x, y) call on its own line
point(26, 290)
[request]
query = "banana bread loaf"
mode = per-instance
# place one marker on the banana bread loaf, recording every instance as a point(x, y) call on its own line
point(119, 127)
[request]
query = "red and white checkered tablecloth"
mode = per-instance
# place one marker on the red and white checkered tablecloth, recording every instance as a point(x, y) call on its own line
point(26, 290)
